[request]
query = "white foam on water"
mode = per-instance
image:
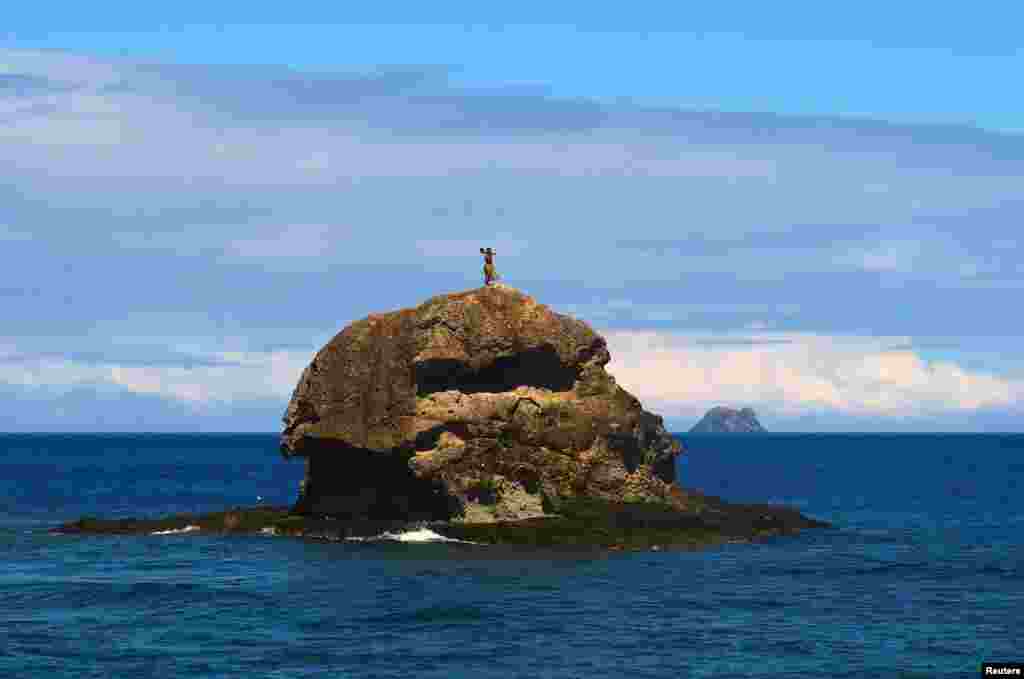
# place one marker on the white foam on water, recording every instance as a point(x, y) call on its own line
point(176, 531)
point(415, 535)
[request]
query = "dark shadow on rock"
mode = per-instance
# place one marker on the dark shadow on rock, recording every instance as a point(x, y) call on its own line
point(628, 447)
point(356, 483)
point(539, 367)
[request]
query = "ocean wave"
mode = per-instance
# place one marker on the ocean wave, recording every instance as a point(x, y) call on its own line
point(176, 531)
point(414, 535)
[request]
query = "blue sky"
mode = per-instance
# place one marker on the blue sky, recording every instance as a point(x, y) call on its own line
point(813, 214)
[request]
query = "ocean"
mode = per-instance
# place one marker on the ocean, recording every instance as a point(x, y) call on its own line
point(922, 576)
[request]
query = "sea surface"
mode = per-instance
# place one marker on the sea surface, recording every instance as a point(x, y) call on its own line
point(923, 575)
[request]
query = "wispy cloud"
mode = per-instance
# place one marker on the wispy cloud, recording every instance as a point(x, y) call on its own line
point(204, 381)
point(784, 376)
point(789, 375)
point(148, 201)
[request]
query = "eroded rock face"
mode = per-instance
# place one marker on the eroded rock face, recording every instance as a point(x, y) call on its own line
point(483, 405)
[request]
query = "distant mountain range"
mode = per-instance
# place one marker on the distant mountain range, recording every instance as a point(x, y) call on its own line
point(722, 420)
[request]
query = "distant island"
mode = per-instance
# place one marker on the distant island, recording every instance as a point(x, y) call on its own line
point(722, 420)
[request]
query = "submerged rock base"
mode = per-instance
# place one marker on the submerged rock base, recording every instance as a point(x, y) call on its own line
point(583, 523)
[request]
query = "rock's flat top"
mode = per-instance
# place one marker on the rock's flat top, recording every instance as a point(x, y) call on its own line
point(721, 420)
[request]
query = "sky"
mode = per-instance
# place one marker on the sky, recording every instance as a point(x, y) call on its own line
point(815, 214)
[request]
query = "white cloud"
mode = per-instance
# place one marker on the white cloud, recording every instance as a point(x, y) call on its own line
point(789, 375)
point(174, 134)
point(678, 375)
point(420, 184)
point(52, 374)
point(217, 378)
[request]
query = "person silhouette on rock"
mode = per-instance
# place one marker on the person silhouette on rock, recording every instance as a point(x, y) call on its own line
point(490, 275)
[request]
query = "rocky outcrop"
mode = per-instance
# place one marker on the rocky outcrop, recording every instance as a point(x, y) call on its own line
point(483, 417)
point(722, 420)
point(480, 406)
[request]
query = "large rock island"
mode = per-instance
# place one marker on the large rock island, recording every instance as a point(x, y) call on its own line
point(489, 417)
point(481, 405)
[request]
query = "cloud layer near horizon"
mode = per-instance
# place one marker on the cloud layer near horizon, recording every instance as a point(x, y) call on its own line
point(169, 228)
point(786, 377)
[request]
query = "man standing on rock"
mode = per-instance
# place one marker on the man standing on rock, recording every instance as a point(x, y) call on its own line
point(489, 273)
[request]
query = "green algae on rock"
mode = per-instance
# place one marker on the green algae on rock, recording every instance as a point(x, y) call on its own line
point(237, 520)
point(582, 523)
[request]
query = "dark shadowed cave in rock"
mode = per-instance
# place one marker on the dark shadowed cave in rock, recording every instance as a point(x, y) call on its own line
point(357, 483)
point(540, 367)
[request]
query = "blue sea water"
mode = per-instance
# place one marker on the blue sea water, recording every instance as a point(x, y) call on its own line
point(923, 575)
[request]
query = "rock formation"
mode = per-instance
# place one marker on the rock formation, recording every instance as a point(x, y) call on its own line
point(720, 420)
point(479, 406)
point(485, 417)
